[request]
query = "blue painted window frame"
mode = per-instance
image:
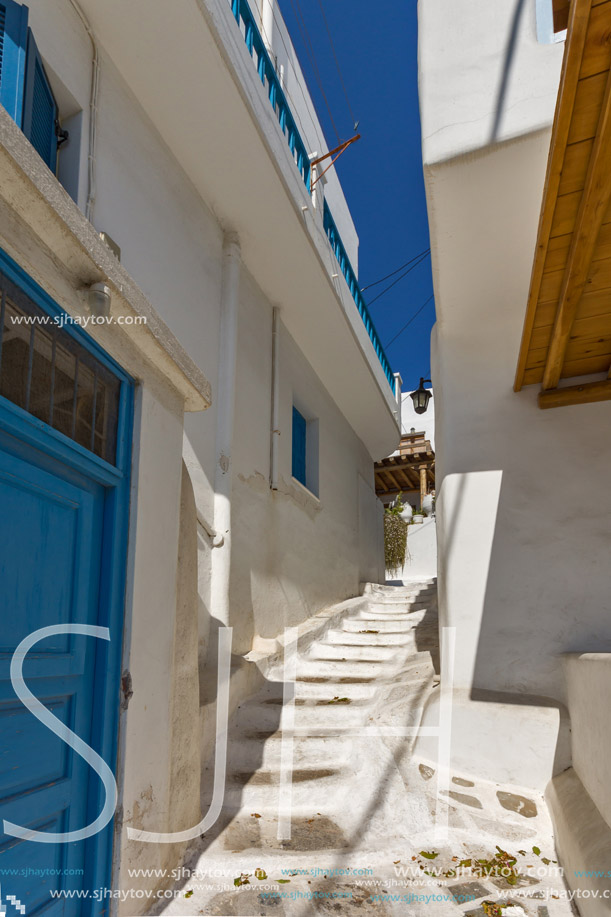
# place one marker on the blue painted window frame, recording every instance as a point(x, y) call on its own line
point(12, 75)
point(37, 122)
point(116, 478)
point(300, 435)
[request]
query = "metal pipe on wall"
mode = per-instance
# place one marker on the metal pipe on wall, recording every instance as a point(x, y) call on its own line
point(275, 434)
point(225, 409)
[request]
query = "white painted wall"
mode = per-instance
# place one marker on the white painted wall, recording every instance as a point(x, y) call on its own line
point(421, 559)
point(483, 76)
point(522, 517)
point(588, 678)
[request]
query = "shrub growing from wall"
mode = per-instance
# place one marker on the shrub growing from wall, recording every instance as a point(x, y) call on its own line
point(395, 542)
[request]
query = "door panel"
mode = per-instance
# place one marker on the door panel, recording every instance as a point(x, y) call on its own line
point(51, 543)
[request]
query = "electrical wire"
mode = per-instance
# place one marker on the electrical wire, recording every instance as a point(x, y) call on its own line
point(406, 325)
point(285, 89)
point(305, 37)
point(395, 282)
point(339, 70)
point(281, 26)
point(392, 273)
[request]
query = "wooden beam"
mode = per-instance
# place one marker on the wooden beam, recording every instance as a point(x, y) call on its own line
point(393, 479)
point(561, 14)
point(576, 394)
point(592, 209)
point(380, 482)
point(569, 79)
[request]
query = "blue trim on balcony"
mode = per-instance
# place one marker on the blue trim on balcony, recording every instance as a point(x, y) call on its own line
point(347, 270)
point(268, 76)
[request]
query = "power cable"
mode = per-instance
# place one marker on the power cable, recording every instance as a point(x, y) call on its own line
point(395, 282)
point(305, 37)
point(392, 273)
point(415, 315)
point(339, 70)
point(285, 90)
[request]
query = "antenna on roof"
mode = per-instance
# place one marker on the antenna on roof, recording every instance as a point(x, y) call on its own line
point(336, 153)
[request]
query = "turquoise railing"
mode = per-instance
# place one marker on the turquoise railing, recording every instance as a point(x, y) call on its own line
point(344, 262)
point(269, 78)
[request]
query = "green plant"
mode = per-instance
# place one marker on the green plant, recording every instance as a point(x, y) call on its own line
point(398, 507)
point(395, 541)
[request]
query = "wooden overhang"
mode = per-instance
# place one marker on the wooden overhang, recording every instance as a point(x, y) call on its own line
point(401, 473)
point(567, 330)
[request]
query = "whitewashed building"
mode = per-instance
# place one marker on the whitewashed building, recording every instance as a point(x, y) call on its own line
point(199, 457)
point(515, 135)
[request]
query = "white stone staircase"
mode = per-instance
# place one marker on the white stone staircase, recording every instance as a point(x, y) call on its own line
point(345, 681)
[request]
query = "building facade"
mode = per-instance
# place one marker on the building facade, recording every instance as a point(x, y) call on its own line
point(514, 110)
point(184, 448)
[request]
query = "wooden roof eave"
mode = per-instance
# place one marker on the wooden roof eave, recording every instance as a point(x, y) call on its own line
point(569, 79)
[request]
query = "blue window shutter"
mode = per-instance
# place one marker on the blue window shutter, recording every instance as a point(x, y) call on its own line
point(299, 447)
point(39, 107)
point(13, 40)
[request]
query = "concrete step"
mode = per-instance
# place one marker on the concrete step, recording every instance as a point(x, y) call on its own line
point(340, 668)
point(313, 715)
point(356, 638)
point(358, 625)
point(308, 751)
point(311, 789)
point(362, 652)
point(406, 589)
point(375, 610)
point(318, 690)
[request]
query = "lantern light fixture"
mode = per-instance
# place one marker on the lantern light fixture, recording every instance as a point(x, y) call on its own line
point(99, 298)
point(421, 397)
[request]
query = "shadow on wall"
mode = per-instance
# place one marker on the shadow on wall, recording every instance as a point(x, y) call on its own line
point(510, 50)
point(524, 563)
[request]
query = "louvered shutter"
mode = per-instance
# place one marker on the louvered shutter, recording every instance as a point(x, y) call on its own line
point(299, 447)
point(39, 107)
point(13, 40)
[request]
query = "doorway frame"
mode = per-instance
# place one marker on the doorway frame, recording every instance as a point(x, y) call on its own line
point(113, 571)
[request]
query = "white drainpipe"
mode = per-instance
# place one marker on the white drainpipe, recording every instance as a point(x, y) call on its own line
point(267, 25)
point(93, 111)
point(398, 385)
point(225, 406)
point(275, 443)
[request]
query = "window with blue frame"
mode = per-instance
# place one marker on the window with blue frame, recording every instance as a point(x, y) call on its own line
point(305, 451)
point(25, 90)
point(299, 446)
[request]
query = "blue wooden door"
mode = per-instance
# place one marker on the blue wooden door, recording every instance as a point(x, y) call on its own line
point(63, 521)
point(51, 525)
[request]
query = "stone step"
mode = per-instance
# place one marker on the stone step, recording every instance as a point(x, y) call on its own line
point(246, 751)
point(374, 610)
point(361, 652)
point(406, 589)
point(358, 638)
point(322, 715)
point(340, 668)
point(311, 789)
point(321, 689)
point(357, 625)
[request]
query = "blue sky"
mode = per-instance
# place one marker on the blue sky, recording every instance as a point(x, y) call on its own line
point(376, 46)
